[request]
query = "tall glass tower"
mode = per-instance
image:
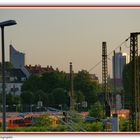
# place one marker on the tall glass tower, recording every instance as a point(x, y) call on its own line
point(120, 60)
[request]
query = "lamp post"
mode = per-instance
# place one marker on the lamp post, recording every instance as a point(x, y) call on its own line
point(2, 25)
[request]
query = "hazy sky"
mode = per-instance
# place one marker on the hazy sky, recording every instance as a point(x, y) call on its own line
point(56, 36)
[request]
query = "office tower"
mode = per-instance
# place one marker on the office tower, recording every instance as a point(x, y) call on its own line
point(120, 60)
point(17, 59)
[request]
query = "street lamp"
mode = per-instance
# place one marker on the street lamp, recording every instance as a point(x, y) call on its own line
point(2, 25)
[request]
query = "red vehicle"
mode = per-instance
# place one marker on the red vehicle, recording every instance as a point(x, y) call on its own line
point(13, 122)
point(27, 120)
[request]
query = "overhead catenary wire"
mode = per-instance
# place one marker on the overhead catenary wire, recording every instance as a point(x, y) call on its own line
point(119, 46)
point(109, 54)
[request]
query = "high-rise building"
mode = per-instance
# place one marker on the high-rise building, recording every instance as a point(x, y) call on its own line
point(17, 59)
point(120, 60)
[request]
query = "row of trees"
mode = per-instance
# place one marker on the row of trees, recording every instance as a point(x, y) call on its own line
point(127, 82)
point(52, 88)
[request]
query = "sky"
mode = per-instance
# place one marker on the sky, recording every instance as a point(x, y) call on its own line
point(57, 36)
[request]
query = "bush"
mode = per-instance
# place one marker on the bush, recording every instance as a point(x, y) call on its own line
point(93, 127)
point(29, 129)
point(42, 121)
point(59, 128)
point(96, 110)
point(124, 125)
point(76, 117)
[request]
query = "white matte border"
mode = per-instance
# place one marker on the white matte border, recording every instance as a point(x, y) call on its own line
point(71, 2)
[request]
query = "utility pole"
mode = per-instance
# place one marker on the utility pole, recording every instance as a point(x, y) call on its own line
point(135, 94)
point(72, 102)
point(104, 68)
point(104, 78)
point(114, 78)
point(115, 115)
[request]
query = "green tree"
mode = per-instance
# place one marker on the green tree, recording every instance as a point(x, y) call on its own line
point(52, 80)
point(40, 95)
point(12, 99)
point(43, 87)
point(32, 84)
point(8, 66)
point(60, 96)
point(79, 97)
point(54, 86)
point(127, 82)
point(50, 99)
point(89, 88)
point(96, 110)
point(27, 97)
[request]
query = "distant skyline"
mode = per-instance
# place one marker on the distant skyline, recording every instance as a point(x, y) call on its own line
point(57, 36)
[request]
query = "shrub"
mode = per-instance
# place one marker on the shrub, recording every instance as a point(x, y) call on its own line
point(93, 127)
point(42, 121)
point(59, 128)
point(124, 125)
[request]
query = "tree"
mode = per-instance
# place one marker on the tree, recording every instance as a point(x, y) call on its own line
point(12, 99)
point(79, 97)
point(43, 87)
point(89, 88)
point(27, 97)
point(52, 80)
point(50, 99)
point(32, 84)
point(60, 96)
point(8, 66)
point(127, 82)
point(97, 110)
point(53, 87)
point(40, 95)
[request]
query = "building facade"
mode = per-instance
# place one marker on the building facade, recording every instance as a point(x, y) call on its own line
point(118, 64)
point(13, 81)
point(17, 59)
point(15, 77)
point(13, 88)
point(38, 69)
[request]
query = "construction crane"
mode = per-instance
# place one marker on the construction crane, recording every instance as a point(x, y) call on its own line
point(135, 94)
